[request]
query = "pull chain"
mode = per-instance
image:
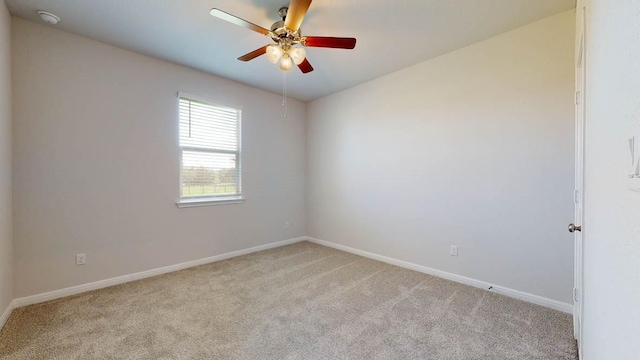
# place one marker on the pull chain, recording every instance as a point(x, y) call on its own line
point(284, 92)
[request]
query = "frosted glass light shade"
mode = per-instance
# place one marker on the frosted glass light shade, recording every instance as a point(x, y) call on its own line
point(286, 63)
point(297, 55)
point(274, 53)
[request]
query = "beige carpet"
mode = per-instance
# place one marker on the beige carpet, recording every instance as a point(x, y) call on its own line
point(302, 301)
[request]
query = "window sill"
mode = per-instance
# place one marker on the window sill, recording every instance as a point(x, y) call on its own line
point(198, 202)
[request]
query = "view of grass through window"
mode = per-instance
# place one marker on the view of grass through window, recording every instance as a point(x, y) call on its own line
point(197, 181)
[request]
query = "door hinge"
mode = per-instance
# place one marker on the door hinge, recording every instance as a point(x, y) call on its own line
point(575, 294)
point(577, 97)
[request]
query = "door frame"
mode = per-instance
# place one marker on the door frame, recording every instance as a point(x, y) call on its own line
point(580, 115)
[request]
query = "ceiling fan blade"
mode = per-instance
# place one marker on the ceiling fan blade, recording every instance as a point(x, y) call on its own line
point(329, 42)
point(295, 14)
point(305, 67)
point(236, 20)
point(254, 54)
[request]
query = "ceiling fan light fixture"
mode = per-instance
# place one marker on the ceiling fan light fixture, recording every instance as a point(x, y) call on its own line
point(286, 63)
point(274, 53)
point(286, 34)
point(297, 55)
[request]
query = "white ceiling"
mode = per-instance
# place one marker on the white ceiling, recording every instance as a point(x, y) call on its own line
point(391, 34)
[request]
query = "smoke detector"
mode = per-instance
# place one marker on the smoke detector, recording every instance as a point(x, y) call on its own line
point(48, 17)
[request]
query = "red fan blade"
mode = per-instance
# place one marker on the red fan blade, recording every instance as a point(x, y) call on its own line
point(329, 42)
point(295, 14)
point(254, 54)
point(305, 67)
point(236, 20)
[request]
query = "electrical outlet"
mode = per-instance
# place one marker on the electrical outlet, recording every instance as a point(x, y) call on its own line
point(286, 225)
point(454, 250)
point(81, 259)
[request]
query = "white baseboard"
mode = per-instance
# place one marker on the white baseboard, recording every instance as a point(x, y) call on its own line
point(56, 294)
point(535, 299)
point(7, 312)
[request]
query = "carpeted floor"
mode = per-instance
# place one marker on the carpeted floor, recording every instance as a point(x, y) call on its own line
point(301, 301)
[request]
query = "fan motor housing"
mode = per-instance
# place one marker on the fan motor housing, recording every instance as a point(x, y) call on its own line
point(280, 34)
point(278, 28)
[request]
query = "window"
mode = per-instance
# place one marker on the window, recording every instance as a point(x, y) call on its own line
point(209, 153)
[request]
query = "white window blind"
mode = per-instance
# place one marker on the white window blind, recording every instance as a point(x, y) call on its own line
point(210, 151)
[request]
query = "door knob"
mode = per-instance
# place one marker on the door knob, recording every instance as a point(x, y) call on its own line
point(573, 228)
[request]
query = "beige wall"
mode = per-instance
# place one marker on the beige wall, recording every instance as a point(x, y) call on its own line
point(611, 324)
point(96, 163)
point(6, 243)
point(474, 148)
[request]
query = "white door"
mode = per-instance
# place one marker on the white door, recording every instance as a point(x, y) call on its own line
point(579, 181)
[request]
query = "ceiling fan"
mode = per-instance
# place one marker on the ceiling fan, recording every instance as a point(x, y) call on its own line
point(286, 34)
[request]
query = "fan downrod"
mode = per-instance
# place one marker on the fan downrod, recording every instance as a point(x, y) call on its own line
point(283, 12)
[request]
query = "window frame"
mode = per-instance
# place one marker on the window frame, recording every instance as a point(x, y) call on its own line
point(209, 200)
